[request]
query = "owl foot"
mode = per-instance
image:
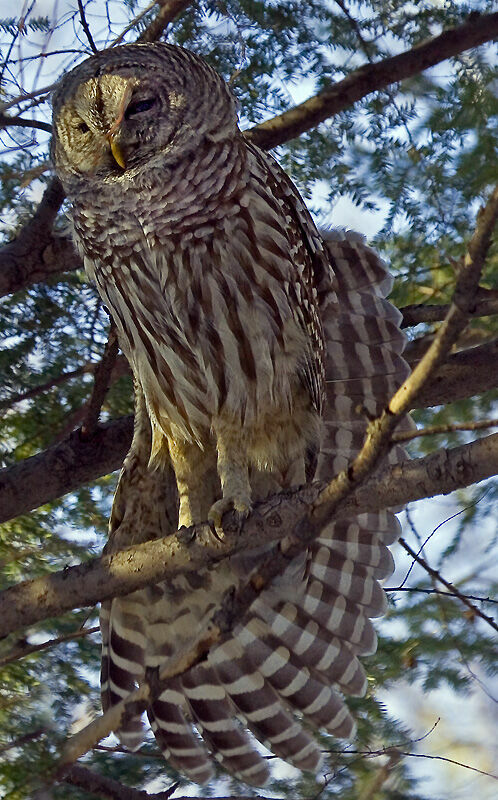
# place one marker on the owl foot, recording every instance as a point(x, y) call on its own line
point(240, 504)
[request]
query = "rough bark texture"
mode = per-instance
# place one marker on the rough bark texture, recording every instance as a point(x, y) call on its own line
point(145, 564)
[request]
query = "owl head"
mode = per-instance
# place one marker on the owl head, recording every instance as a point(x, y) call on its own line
point(138, 106)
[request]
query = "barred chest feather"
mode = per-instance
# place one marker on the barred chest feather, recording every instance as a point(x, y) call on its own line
point(210, 288)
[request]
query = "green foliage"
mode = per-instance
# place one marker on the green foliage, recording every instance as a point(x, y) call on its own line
point(423, 154)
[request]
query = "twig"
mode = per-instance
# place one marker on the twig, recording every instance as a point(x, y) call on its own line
point(432, 430)
point(386, 751)
point(85, 27)
point(168, 10)
point(101, 384)
point(372, 77)
point(21, 652)
point(437, 576)
point(439, 592)
point(132, 24)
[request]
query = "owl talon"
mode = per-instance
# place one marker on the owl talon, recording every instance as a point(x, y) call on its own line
point(240, 505)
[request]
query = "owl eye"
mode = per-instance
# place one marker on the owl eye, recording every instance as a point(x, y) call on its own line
point(140, 106)
point(83, 127)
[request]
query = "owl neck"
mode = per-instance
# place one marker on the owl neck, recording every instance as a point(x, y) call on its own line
point(164, 198)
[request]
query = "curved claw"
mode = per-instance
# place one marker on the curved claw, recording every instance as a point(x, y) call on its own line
point(240, 504)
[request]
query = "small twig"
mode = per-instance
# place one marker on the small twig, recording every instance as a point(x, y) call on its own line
point(432, 430)
point(101, 383)
point(387, 750)
point(437, 576)
point(132, 24)
point(28, 737)
point(85, 27)
point(21, 652)
point(439, 592)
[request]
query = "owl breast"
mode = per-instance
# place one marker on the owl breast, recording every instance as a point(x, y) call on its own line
point(206, 304)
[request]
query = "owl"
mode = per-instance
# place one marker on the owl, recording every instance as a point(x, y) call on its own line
point(259, 346)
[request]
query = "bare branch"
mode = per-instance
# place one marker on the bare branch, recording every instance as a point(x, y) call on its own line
point(193, 549)
point(28, 737)
point(63, 467)
point(19, 652)
point(102, 786)
point(416, 589)
point(372, 77)
point(36, 253)
point(85, 27)
point(432, 430)
point(438, 577)
point(464, 374)
point(20, 122)
point(102, 381)
point(486, 304)
point(168, 10)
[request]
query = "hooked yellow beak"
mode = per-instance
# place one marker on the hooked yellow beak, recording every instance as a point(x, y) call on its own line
point(117, 152)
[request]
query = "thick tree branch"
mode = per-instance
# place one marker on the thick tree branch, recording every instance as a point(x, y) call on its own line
point(36, 253)
point(74, 462)
point(486, 304)
point(189, 550)
point(108, 788)
point(371, 78)
point(63, 467)
point(168, 10)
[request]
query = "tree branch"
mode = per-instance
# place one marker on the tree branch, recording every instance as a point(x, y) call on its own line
point(36, 253)
point(371, 78)
point(168, 10)
point(100, 785)
point(74, 462)
point(450, 586)
point(24, 650)
point(198, 548)
point(63, 467)
point(486, 304)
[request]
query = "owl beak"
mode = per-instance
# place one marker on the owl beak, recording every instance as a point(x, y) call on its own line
point(116, 151)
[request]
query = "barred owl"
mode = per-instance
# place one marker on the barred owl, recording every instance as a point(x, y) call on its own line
point(258, 347)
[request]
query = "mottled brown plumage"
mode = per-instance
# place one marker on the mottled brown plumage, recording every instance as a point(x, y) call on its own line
point(253, 340)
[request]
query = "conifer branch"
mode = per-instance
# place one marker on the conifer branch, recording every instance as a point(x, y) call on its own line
point(371, 78)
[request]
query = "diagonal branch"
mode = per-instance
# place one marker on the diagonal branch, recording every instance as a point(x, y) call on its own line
point(36, 253)
point(380, 430)
point(198, 548)
point(438, 577)
point(371, 78)
point(168, 10)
